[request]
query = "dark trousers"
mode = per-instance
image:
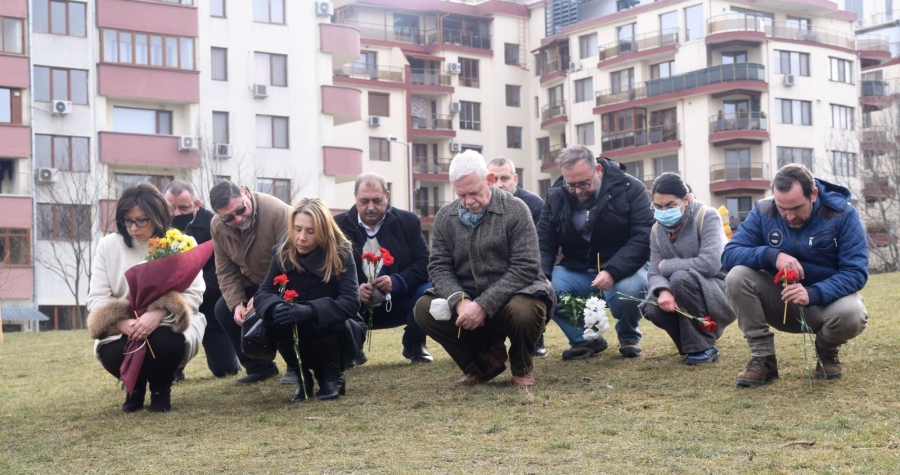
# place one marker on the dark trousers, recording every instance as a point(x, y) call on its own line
point(307, 337)
point(220, 356)
point(232, 330)
point(685, 332)
point(168, 347)
point(401, 313)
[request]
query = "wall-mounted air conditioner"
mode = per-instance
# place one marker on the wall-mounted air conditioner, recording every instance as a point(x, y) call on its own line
point(186, 142)
point(454, 107)
point(455, 147)
point(47, 175)
point(260, 91)
point(62, 107)
point(324, 8)
point(454, 68)
point(374, 121)
point(860, 23)
point(223, 150)
point(575, 66)
point(789, 80)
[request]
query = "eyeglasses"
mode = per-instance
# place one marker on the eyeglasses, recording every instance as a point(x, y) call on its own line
point(141, 223)
point(583, 185)
point(239, 212)
point(660, 208)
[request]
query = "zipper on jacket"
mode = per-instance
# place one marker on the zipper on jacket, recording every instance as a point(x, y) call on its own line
point(810, 241)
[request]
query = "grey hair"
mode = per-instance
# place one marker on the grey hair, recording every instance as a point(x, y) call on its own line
point(221, 194)
point(467, 163)
point(177, 187)
point(370, 179)
point(501, 161)
point(573, 154)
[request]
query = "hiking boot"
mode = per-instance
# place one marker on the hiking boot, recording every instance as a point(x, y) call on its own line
point(828, 366)
point(585, 350)
point(524, 381)
point(629, 349)
point(760, 370)
point(475, 379)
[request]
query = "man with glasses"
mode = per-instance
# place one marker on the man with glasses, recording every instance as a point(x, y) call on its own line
point(246, 227)
point(599, 217)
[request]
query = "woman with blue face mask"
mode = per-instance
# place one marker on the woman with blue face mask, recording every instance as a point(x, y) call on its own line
point(685, 272)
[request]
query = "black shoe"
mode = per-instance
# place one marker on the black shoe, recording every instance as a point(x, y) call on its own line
point(360, 360)
point(304, 389)
point(135, 402)
point(257, 377)
point(539, 348)
point(160, 401)
point(290, 376)
point(588, 349)
point(416, 353)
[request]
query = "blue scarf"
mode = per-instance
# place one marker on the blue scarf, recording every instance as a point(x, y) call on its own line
point(470, 219)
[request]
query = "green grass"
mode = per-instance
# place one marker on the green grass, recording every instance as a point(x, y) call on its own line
point(59, 412)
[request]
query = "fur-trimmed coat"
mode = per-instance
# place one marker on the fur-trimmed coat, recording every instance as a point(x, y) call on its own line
point(107, 300)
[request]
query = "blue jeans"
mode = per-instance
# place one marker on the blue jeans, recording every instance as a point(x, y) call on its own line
point(567, 281)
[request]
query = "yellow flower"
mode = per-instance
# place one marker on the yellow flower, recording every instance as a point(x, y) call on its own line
point(173, 233)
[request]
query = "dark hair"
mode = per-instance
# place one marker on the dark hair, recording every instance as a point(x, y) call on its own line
point(573, 154)
point(794, 172)
point(669, 183)
point(221, 194)
point(146, 197)
point(177, 187)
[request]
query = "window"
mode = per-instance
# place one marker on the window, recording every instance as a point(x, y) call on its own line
point(734, 57)
point(537, 108)
point(277, 187)
point(468, 77)
point(694, 23)
point(587, 46)
point(841, 117)
point(668, 24)
point(60, 222)
point(60, 84)
point(738, 209)
point(543, 147)
point(791, 62)
point(15, 247)
point(62, 317)
point(220, 131)
point(406, 28)
point(64, 153)
point(843, 163)
point(737, 164)
point(585, 133)
point(513, 96)
point(217, 8)
point(11, 36)
point(127, 47)
point(665, 164)
point(219, 69)
point(271, 69)
point(379, 149)
point(10, 106)
point(268, 11)
point(662, 70)
point(841, 70)
point(124, 180)
point(625, 35)
point(514, 137)
point(543, 188)
point(622, 80)
point(469, 115)
point(635, 169)
point(795, 112)
point(511, 53)
point(584, 89)
point(142, 121)
point(271, 131)
point(60, 17)
point(795, 155)
point(379, 104)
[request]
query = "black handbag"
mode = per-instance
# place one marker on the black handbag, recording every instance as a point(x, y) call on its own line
point(255, 339)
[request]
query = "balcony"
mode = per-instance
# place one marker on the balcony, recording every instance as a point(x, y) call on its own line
point(810, 34)
point(548, 157)
point(750, 177)
point(340, 41)
point(740, 127)
point(429, 77)
point(643, 46)
point(15, 141)
point(877, 139)
point(371, 72)
point(554, 69)
point(148, 83)
point(343, 163)
point(344, 104)
point(463, 38)
point(427, 209)
point(118, 148)
point(647, 139)
point(553, 116)
point(873, 50)
point(735, 29)
point(151, 17)
point(716, 79)
point(649, 179)
point(878, 188)
point(876, 95)
point(15, 71)
point(433, 125)
point(435, 169)
point(414, 36)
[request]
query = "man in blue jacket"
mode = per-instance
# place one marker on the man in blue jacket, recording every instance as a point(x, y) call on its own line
point(808, 227)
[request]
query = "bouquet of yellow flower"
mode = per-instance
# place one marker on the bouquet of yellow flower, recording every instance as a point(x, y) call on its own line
point(173, 243)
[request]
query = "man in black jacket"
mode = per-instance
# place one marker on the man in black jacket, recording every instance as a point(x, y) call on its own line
point(600, 218)
point(394, 290)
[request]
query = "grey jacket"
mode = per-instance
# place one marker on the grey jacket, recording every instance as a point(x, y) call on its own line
point(492, 262)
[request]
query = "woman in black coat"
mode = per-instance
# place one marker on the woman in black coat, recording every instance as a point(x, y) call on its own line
point(316, 259)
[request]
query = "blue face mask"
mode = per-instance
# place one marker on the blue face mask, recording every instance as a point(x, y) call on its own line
point(668, 217)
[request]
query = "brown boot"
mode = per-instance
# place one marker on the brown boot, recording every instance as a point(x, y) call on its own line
point(828, 366)
point(760, 370)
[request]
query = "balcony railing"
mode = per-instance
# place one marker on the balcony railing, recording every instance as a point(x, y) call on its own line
point(640, 137)
point(551, 66)
point(872, 42)
point(550, 155)
point(735, 22)
point(683, 82)
point(554, 109)
point(434, 122)
point(649, 179)
point(427, 209)
point(429, 77)
point(738, 121)
point(885, 17)
point(378, 31)
point(464, 38)
point(877, 137)
point(638, 43)
point(433, 166)
point(757, 171)
point(873, 88)
point(371, 71)
point(793, 31)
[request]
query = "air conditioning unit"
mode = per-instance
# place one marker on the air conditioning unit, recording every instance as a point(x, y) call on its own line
point(47, 175)
point(789, 80)
point(374, 121)
point(186, 142)
point(224, 150)
point(324, 8)
point(454, 107)
point(260, 91)
point(454, 68)
point(575, 66)
point(417, 185)
point(62, 107)
point(455, 147)
point(860, 23)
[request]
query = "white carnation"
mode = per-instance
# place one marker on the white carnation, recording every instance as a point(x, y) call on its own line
point(595, 320)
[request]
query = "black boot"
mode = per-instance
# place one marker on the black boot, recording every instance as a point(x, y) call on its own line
point(328, 367)
point(305, 386)
point(135, 402)
point(161, 396)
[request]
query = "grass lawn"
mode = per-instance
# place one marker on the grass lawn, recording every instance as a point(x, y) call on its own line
point(60, 412)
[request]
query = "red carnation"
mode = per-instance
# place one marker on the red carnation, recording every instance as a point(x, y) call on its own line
point(289, 295)
point(386, 256)
point(708, 324)
point(281, 279)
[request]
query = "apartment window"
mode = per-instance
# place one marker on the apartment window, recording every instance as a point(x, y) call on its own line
point(625, 35)
point(469, 115)
point(665, 164)
point(217, 8)
point(268, 11)
point(795, 155)
point(543, 146)
point(60, 84)
point(587, 46)
point(59, 17)
point(622, 80)
point(219, 70)
point(584, 89)
point(738, 209)
point(841, 70)
point(15, 247)
point(11, 36)
point(468, 77)
point(277, 187)
point(513, 96)
point(124, 180)
point(62, 152)
point(635, 169)
point(694, 23)
point(271, 69)
point(737, 164)
point(406, 28)
point(537, 108)
point(511, 53)
point(662, 70)
point(220, 129)
point(10, 106)
point(668, 24)
point(142, 121)
point(271, 131)
point(513, 137)
point(61, 222)
point(791, 62)
point(585, 133)
point(843, 163)
point(379, 104)
point(379, 149)
point(734, 57)
point(544, 188)
point(162, 51)
point(795, 112)
point(841, 117)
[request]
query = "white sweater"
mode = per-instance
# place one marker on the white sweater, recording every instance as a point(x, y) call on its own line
point(111, 260)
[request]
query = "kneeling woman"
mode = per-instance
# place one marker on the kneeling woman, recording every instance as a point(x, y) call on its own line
point(172, 326)
point(316, 258)
point(686, 270)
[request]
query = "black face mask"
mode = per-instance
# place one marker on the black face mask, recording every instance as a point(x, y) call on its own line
point(182, 222)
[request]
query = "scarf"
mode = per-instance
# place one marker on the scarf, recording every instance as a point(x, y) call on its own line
point(672, 233)
point(470, 219)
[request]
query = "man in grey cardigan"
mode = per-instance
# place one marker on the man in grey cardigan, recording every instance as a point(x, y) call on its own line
point(485, 264)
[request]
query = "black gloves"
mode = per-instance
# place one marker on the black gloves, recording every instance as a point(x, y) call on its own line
point(287, 314)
